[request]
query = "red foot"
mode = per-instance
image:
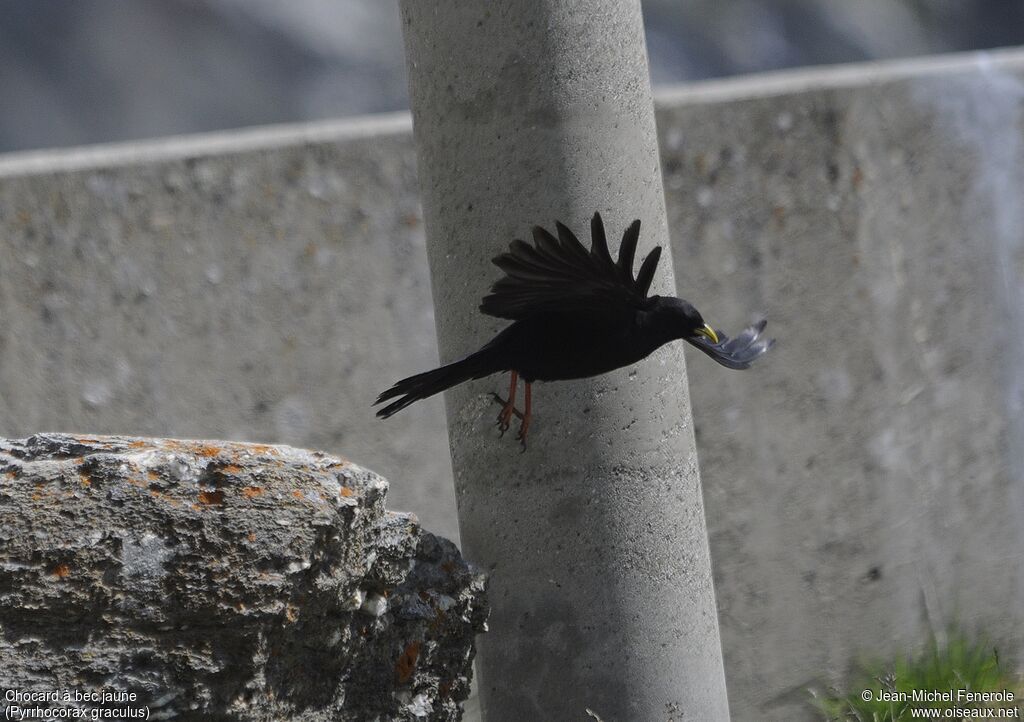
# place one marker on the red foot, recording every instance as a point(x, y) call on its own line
point(508, 407)
point(508, 410)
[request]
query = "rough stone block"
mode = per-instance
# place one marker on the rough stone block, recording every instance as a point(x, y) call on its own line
point(215, 578)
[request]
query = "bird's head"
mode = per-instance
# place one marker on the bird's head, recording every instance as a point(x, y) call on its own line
point(677, 318)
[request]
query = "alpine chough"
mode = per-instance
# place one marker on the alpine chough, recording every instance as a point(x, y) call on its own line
point(576, 313)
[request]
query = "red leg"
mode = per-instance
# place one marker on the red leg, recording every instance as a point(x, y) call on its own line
point(524, 427)
point(505, 415)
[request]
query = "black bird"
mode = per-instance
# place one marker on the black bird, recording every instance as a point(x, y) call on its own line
point(576, 314)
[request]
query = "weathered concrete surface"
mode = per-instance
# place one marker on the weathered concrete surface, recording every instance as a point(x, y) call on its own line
point(864, 484)
point(594, 538)
point(855, 477)
point(263, 286)
point(213, 578)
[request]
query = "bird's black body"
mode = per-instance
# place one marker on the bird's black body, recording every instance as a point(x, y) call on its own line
point(576, 313)
point(573, 345)
point(562, 346)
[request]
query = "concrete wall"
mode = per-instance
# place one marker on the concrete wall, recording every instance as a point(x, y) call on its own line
point(863, 484)
point(261, 287)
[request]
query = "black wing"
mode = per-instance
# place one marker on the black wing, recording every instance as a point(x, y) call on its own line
point(559, 274)
point(739, 352)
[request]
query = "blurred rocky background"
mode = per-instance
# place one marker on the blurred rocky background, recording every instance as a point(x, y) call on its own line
point(88, 71)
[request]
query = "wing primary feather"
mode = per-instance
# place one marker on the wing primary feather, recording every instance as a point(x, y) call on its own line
point(571, 244)
point(539, 256)
point(627, 251)
point(518, 270)
point(548, 255)
point(599, 243)
point(521, 248)
point(646, 273)
point(546, 261)
point(516, 249)
point(559, 272)
point(546, 243)
point(520, 255)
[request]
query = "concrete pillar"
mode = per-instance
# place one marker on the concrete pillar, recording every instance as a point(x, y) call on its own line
point(527, 111)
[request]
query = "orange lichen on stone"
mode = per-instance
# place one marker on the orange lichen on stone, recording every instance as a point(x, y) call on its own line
point(297, 493)
point(83, 476)
point(138, 445)
point(152, 475)
point(345, 491)
point(157, 494)
point(252, 536)
point(231, 469)
point(60, 571)
point(262, 449)
point(251, 492)
point(211, 496)
point(406, 664)
point(208, 450)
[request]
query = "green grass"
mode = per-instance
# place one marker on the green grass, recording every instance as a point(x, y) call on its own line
point(959, 664)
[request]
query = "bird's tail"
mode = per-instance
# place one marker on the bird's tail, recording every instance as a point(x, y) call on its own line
point(420, 386)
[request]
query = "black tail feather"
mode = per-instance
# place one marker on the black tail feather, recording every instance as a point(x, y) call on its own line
point(428, 383)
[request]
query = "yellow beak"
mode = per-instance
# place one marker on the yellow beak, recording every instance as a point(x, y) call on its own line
point(708, 332)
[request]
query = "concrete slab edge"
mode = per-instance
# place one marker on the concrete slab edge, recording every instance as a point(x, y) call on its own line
point(240, 140)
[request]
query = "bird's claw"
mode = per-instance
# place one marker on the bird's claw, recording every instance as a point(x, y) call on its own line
point(504, 420)
point(521, 435)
